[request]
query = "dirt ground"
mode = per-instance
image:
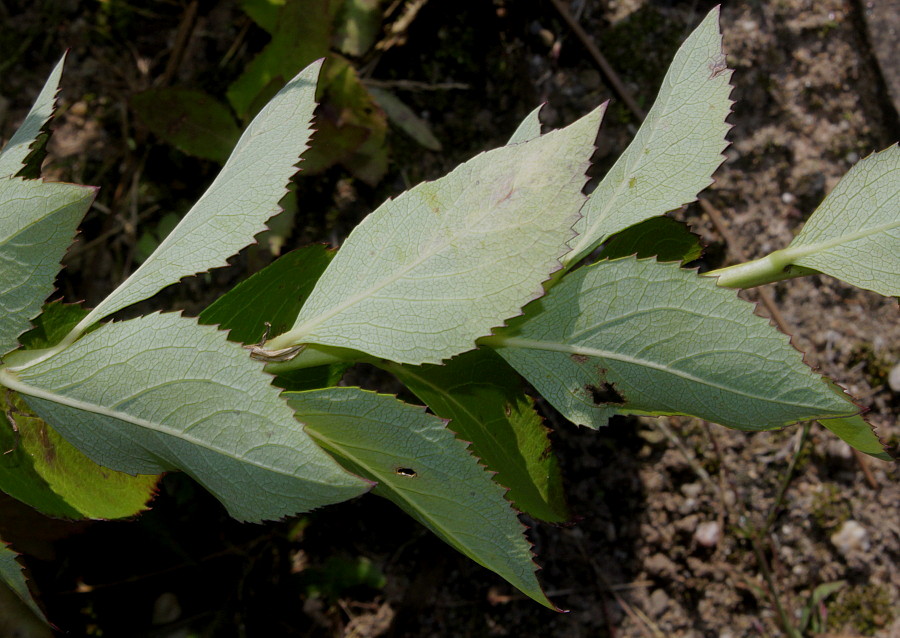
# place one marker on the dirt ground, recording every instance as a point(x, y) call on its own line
point(681, 527)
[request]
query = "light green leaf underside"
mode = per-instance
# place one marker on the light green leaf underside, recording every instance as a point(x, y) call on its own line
point(427, 273)
point(237, 204)
point(37, 223)
point(12, 575)
point(529, 129)
point(854, 235)
point(423, 468)
point(855, 431)
point(161, 393)
point(13, 156)
point(677, 148)
point(42, 469)
point(636, 336)
point(483, 398)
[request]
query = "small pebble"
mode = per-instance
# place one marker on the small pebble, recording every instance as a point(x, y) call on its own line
point(894, 378)
point(850, 537)
point(708, 534)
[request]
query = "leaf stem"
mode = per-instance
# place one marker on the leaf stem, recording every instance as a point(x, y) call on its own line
point(776, 266)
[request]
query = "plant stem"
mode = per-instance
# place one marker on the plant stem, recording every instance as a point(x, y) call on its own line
point(786, 623)
point(786, 480)
point(773, 267)
point(314, 356)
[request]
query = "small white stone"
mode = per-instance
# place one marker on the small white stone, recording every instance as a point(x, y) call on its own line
point(707, 534)
point(788, 198)
point(850, 537)
point(894, 378)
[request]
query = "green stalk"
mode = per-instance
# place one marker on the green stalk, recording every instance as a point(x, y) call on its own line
point(776, 266)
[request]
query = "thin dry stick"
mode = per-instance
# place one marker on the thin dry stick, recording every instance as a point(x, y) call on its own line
point(600, 60)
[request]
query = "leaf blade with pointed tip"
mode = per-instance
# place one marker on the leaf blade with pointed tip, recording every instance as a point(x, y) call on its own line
point(14, 156)
point(37, 224)
point(160, 393)
point(423, 468)
point(427, 273)
point(13, 575)
point(237, 204)
point(483, 398)
point(529, 129)
point(854, 234)
point(677, 148)
point(639, 337)
point(858, 434)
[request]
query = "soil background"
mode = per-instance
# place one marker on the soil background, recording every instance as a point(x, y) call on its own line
point(671, 536)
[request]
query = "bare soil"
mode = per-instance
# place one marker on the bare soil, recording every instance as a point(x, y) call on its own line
point(681, 528)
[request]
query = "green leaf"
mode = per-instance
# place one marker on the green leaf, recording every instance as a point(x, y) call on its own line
point(161, 393)
point(236, 205)
point(54, 323)
point(357, 26)
point(427, 273)
point(190, 120)
point(854, 235)
point(856, 432)
point(37, 223)
point(677, 148)
point(483, 398)
point(660, 237)
point(274, 295)
point(13, 576)
point(405, 118)
point(263, 12)
point(42, 469)
point(529, 129)
point(15, 155)
point(301, 34)
point(639, 337)
point(423, 468)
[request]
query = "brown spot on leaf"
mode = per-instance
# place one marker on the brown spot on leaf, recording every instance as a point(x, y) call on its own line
point(47, 447)
point(545, 453)
point(579, 358)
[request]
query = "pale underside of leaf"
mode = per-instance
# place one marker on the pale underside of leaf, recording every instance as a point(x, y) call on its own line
point(237, 204)
point(426, 274)
point(161, 393)
point(423, 468)
point(676, 150)
point(12, 158)
point(854, 235)
point(529, 129)
point(37, 223)
point(635, 336)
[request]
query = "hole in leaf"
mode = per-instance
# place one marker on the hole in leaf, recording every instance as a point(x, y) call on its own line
point(605, 394)
point(406, 471)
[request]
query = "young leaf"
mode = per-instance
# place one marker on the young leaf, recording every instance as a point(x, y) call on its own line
point(427, 273)
point(483, 398)
point(11, 574)
point(14, 156)
point(677, 148)
point(161, 393)
point(37, 223)
point(854, 235)
point(42, 469)
point(660, 237)
point(594, 347)
point(423, 468)
point(236, 205)
point(190, 120)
